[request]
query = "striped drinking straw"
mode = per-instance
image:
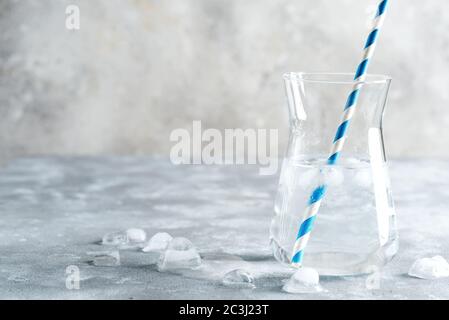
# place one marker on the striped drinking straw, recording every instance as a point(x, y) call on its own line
point(315, 199)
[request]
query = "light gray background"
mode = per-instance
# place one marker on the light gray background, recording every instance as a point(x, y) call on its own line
point(138, 69)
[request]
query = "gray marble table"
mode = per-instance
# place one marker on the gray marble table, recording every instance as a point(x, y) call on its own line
point(54, 210)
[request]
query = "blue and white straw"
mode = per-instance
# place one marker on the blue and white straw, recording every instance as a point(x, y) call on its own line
point(317, 195)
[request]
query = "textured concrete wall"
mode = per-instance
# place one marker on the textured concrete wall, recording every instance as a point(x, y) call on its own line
point(139, 68)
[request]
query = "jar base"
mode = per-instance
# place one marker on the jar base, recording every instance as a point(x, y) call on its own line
point(341, 263)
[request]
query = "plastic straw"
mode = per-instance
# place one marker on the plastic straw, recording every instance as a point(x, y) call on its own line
point(317, 195)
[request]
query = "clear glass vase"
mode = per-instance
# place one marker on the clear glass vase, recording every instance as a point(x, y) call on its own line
point(355, 230)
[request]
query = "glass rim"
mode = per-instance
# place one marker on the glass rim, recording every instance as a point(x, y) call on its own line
point(333, 77)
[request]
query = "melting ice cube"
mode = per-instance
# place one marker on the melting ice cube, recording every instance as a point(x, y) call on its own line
point(239, 278)
point(180, 254)
point(174, 259)
point(180, 244)
point(158, 243)
point(333, 176)
point(308, 178)
point(126, 239)
point(115, 239)
point(137, 258)
point(363, 178)
point(305, 280)
point(430, 268)
point(105, 258)
point(135, 235)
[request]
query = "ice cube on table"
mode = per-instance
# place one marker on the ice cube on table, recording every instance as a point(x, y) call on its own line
point(126, 239)
point(239, 279)
point(180, 254)
point(305, 280)
point(176, 259)
point(115, 239)
point(137, 258)
point(180, 244)
point(158, 243)
point(135, 235)
point(105, 258)
point(430, 268)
